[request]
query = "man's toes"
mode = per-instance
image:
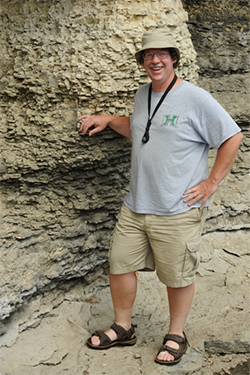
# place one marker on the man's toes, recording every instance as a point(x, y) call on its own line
point(95, 340)
point(165, 356)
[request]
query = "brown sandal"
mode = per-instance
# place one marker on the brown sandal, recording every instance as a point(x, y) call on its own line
point(176, 353)
point(124, 338)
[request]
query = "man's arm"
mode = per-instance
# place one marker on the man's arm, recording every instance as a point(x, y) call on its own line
point(120, 124)
point(225, 158)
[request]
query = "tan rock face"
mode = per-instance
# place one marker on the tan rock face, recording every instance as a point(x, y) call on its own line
point(60, 192)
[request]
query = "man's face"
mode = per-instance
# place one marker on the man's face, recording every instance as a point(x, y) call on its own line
point(158, 65)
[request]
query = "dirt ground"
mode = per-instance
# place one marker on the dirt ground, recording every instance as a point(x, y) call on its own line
point(48, 335)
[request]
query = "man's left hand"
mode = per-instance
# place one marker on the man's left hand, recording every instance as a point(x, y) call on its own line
point(202, 191)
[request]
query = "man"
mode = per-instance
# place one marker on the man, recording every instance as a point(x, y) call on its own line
point(161, 221)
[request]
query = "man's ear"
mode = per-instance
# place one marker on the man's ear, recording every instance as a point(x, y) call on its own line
point(142, 64)
point(173, 61)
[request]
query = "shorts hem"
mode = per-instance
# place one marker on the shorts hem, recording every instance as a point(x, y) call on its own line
point(120, 271)
point(178, 284)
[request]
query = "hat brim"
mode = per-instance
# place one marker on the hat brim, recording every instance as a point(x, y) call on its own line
point(150, 45)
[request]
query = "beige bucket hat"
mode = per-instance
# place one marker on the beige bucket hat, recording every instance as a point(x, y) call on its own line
point(157, 38)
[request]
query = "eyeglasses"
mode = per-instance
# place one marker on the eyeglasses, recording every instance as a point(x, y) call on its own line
point(161, 55)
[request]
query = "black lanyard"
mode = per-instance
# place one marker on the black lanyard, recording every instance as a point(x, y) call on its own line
point(145, 138)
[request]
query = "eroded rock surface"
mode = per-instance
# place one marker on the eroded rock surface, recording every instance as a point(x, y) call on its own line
point(60, 193)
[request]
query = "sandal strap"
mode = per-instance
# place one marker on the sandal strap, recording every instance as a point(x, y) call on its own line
point(123, 334)
point(104, 339)
point(170, 350)
point(176, 338)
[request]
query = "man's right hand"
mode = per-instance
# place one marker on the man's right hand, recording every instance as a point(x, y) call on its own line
point(98, 122)
point(95, 124)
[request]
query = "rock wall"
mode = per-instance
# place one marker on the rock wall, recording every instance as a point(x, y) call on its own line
point(60, 192)
point(220, 33)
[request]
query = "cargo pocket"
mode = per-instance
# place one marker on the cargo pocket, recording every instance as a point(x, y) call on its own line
point(192, 258)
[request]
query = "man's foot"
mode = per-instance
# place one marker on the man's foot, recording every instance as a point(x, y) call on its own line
point(172, 350)
point(95, 340)
point(116, 335)
point(165, 355)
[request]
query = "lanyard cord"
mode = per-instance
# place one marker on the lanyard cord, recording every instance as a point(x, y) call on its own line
point(145, 138)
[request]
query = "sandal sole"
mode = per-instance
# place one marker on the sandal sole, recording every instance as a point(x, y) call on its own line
point(168, 363)
point(113, 343)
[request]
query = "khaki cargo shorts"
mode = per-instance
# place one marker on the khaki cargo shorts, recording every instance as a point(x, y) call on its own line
point(168, 244)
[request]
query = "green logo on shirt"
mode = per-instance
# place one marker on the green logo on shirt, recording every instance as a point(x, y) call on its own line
point(167, 120)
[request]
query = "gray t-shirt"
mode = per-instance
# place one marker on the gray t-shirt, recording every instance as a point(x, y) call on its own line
point(175, 157)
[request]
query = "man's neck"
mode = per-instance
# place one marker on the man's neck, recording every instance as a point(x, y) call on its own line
point(161, 87)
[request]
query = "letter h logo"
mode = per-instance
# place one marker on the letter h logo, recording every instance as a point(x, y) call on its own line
point(167, 120)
